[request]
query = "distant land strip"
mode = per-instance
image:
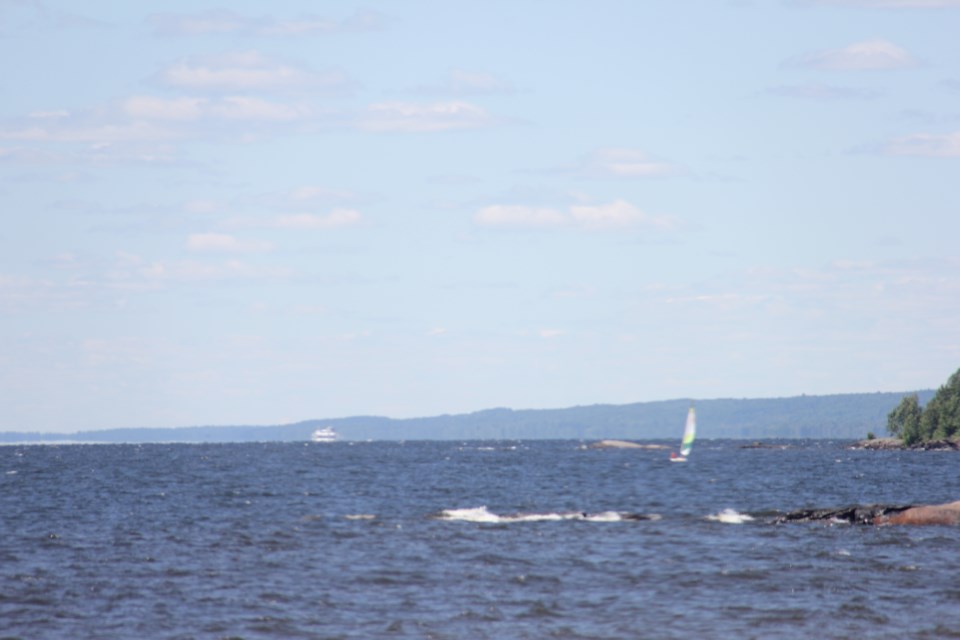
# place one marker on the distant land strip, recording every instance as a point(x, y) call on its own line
point(842, 416)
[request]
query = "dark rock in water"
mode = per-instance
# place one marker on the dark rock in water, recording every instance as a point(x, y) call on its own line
point(762, 445)
point(880, 514)
point(856, 514)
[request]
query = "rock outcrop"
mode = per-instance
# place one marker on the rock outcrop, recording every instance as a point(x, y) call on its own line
point(924, 514)
point(879, 514)
point(856, 514)
point(895, 444)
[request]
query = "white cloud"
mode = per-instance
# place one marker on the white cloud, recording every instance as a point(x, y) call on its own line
point(189, 271)
point(335, 219)
point(223, 242)
point(616, 215)
point(623, 163)
point(550, 334)
point(151, 119)
point(926, 144)
point(153, 108)
point(869, 55)
point(246, 71)
point(227, 108)
point(89, 131)
point(244, 108)
point(461, 82)
point(520, 216)
point(219, 21)
point(407, 117)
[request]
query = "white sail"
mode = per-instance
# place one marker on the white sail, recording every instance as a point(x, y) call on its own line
point(689, 433)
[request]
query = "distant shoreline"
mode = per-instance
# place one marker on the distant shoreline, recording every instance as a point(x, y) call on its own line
point(896, 444)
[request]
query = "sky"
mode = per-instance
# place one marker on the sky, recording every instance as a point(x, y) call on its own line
point(265, 212)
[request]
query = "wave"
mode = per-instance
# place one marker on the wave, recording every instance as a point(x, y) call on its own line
point(730, 516)
point(482, 514)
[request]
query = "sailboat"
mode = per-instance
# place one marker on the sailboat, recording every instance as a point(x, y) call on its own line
point(689, 433)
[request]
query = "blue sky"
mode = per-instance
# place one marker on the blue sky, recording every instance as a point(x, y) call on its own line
point(255, 213)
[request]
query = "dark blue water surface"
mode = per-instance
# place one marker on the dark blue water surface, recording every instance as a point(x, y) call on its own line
point(342, 540)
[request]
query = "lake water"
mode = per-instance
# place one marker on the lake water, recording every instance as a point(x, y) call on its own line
point(468, 540)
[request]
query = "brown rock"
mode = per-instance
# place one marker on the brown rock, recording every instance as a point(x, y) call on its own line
point(925, 514)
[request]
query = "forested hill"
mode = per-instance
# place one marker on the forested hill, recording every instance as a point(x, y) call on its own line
point(843, 416)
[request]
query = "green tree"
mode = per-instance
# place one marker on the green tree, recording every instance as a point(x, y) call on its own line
point(904, 421)
point(947, 401)
point(939, 419)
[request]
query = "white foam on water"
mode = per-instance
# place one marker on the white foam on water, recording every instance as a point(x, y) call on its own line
point(730, 516)
point(476, 514)
point(482, 514)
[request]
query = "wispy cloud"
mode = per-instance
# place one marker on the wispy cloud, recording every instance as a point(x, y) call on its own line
point(226, 108)
point(222, 242)
point(151, 119)
point(520, 217)
point(195, 271)
point(945, 145)
point(338, 218)
point(225, 22)
point(406, 117)
point(823, 92)
point(248, 71)
point(869, 55)
point(613, 216)
point(622, 162)
point(462, 82)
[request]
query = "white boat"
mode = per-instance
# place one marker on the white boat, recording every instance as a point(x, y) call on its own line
point(689, 433)
point(327, 434)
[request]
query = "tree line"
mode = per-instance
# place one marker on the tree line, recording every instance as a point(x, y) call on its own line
point(939, 419)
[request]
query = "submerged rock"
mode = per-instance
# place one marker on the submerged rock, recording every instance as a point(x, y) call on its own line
point(855, 514)
point(762, 445)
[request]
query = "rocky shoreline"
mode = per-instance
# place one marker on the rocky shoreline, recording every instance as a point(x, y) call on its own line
point(879, 514)
point(895, 444)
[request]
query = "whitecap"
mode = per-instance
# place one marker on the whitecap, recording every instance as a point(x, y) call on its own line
point(482, 514)
point(476, 514)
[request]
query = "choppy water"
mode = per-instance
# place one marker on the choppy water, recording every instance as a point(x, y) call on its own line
point(351, 541)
